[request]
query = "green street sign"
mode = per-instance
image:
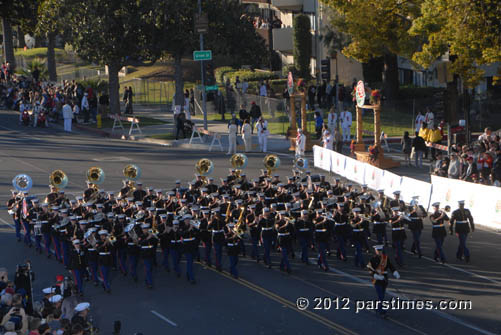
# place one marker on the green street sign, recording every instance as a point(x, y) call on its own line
point(202, 55)
point(211, 88)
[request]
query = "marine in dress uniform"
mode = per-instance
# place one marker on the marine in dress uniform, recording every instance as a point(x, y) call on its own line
point(105, 259)
point(190, 246)
point(439, 233)
point(398, 235)
point(358, 236)
point(322, 236)
point(416, 227)
point(303, 233)
point(341, 230)
point(147, 243)
point(283, 228)
point(266, 223)
point(378, 266)
point(462, 221)
point(78, 263)
point(233, 249)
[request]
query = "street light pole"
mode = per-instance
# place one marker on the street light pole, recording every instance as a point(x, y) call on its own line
point(202, 72)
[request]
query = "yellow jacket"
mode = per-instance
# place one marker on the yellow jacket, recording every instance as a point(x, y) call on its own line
point(424, 133)
point(435, 136)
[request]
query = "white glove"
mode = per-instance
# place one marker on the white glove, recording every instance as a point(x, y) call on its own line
point(378, 277)
point(396, 274)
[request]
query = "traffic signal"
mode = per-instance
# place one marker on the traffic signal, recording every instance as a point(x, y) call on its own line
point(326, 69)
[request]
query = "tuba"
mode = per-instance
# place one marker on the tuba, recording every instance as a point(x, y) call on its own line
point(58, 179)
point(204, 167)
point(132, 173)
point(22, 182)
point(300, 163)
point(95, 175)
point(239, 162)
point(271, 162)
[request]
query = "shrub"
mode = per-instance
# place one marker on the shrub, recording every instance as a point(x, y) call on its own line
point(98, 85)
point(36, 63)
point(250, 75)
point(302, 45)
point(220, 72)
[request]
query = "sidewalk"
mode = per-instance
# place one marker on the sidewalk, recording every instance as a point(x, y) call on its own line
point(276, 143)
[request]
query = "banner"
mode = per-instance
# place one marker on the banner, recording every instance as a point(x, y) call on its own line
point(355, 170)
point(316, 156)
point(322, 158)
point(391, 183)
point(373, 176)
point(412, 187)
point(338, 163)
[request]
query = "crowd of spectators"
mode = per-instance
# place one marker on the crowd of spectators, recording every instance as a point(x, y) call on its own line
point(479, 162)
point(22, 93)
point(60, 312)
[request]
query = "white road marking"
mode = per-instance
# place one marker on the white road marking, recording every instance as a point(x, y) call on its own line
point(396, 295)
point(8, 224)
point(164, 318)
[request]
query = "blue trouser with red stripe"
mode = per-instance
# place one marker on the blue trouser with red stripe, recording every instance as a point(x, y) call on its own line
point(27, 233)
point(233, 265)
point(189, 266)
point(78, 276)
point(133, 266)
point(57, 247)
point(93, 271)
point(105, 274)
point(148, 268)
point(322, 252)
point(165, 261)
point(66, 251)
point(122, 260)
point(218, 247)
point(17, 225)
point(47, 240)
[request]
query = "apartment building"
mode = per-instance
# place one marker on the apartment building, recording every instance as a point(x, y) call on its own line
point(274, 21)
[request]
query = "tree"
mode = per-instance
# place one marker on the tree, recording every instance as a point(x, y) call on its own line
point(110, 32)
point(469, 30)
point(302, 45)
point(230, 33)
point(378, 28)
point(52, 18)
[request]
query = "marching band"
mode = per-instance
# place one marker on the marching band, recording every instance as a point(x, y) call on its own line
point(98, 232)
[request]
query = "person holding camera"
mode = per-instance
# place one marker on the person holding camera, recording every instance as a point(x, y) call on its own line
point(16, 320)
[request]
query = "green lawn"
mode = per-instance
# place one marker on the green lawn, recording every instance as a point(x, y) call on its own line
point(394, 124)
point(166, 136)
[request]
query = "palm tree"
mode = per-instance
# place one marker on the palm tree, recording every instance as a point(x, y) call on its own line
point(36, 63)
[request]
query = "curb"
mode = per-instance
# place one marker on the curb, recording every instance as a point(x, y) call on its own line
point(96, 131)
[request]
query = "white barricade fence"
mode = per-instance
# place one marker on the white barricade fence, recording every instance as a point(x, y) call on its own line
point(484, 202)
point(412, 187)
point(322, 158)
point(338, 163)
point(355, 170)
point(391, 183)
point(373, 176)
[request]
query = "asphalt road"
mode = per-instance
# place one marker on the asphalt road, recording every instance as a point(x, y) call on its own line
point(263, 301)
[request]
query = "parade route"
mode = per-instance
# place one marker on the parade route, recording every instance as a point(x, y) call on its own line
point(262, 301)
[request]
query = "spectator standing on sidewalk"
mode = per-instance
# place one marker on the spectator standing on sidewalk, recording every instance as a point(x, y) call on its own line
point(262, 133)
point(406, 143)
point(104, 101)
point(247, 135)
point(85, 108)
point(338, 138)
point(419, 148)
point(181, 117)
point(319, 123)
point(67, 116)
point(454, 167)
point(255, 113)
point(435, 138)
point(232, 137)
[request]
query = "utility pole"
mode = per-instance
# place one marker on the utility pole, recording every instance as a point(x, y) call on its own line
point(202, 71)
